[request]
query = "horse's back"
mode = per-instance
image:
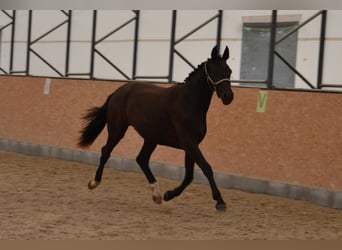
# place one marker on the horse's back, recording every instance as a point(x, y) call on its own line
point(148, 102)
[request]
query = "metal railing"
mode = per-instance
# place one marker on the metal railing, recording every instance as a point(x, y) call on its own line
point(269, 83)
point(11, 25)
point(31, 42)
point(174, 41)
point(274, 52)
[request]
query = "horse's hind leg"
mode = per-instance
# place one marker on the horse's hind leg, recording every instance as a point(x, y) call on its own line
point(114, 136)
point(143, 159)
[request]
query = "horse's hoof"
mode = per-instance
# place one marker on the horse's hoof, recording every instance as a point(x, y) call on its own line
point(167, 196)
point(93, 184)
point(221, 207)
point(157, 199)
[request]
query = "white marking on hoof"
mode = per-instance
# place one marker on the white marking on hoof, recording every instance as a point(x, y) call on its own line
point(156, 194)
point(93, 184)
point(157, 199)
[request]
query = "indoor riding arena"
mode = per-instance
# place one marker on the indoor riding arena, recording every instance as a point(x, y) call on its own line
point(275, 150)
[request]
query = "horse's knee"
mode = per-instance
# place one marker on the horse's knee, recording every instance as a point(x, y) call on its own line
point(141, 160)
point(208, 172)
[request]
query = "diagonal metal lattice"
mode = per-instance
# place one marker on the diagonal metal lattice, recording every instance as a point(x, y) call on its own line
point(95, 42)
point(323, 15)
point(11, 17)
point(31, 42)
point(10, 24)
point(174, 41)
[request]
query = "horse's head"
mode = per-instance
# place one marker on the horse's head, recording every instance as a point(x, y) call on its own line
point(218, 75)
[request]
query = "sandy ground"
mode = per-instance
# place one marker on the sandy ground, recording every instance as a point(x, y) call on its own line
point(49, 199)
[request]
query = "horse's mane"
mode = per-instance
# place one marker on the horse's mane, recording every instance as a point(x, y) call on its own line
point(191, 74)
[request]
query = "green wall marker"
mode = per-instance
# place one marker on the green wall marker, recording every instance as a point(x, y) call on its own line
point(262, 101)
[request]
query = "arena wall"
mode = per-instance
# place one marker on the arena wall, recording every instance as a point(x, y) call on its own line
point(297, 140)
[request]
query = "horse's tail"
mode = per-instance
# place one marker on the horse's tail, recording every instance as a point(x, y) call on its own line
point(96, 119)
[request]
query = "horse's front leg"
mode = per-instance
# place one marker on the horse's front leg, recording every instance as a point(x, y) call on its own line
point(197, 155)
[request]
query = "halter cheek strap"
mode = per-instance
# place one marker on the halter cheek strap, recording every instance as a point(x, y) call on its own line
point(211, 82)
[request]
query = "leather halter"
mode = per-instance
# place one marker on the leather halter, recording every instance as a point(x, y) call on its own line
point(211, 82)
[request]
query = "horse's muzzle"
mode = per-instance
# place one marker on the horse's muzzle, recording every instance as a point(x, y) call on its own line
point(227, 98)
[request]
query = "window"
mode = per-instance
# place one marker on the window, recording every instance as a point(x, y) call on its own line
point(255, 53)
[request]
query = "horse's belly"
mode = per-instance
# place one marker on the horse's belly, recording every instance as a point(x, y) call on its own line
point(158, 135)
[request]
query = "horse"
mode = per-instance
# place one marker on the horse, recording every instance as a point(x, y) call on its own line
point(172, 116)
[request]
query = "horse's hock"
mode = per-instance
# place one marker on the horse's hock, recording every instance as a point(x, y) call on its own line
point(296, 141)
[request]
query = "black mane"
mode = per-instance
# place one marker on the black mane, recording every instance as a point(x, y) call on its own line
point(191, 74)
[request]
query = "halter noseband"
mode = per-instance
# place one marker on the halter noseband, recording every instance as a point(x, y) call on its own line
point(210, 81)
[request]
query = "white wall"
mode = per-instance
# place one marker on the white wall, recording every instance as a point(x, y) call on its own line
point(154, 45)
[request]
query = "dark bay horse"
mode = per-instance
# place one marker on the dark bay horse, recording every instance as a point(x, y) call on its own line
point(173, 116)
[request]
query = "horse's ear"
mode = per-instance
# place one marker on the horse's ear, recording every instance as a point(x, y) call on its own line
point(225, 53)
point(214, 53)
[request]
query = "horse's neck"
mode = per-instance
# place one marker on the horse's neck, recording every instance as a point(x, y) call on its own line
point(199, 92)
